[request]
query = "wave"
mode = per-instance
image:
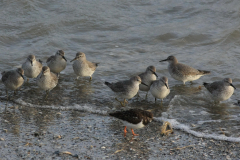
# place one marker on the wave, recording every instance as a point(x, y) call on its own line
point(104, 111)
point(176, 125)
point(84, 108)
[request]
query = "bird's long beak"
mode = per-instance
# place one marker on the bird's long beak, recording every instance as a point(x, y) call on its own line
point(165, 84)
point(155, 73)
point(163, 60)
point(144, 84)
point(22, 76)
point(73, 59)
point(64, 58)
point(232, 85)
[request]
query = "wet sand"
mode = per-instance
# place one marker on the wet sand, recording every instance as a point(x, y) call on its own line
point(28, 132)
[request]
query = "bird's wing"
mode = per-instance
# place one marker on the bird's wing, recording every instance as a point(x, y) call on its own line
point(120, 86)
point(5, 76)
point(130, 116)
point(211, 87)
point(92, 65)
point(186, 70)
point(50, 59)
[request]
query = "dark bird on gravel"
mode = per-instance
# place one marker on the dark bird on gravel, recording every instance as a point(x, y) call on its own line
point(133, 118)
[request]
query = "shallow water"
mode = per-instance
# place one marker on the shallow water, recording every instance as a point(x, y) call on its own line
point(125, 37)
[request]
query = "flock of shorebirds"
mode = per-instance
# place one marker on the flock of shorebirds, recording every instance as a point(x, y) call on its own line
point(47, 79)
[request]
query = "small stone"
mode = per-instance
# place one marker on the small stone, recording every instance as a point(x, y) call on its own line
point(103, 147)
point(2, 139)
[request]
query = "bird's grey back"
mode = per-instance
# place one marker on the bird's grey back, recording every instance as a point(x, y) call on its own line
point(6, 75)
point(120, 86)
point(50, 58)
point(185, 69)
point(211, 87)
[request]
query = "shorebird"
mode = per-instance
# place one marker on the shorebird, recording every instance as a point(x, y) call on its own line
point(220, 90)
point(57, 63)
point(83, 67)
point(31, 67)
point(13, 79)
point(147, 77)
point(133, 118)
point(160, 88)
point(47, 80)
point(126, 89)
point(183, 72)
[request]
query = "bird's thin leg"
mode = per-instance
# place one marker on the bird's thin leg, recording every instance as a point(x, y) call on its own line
point(125, 131)
point(46, 94)
point(122, 103)
point(138, 95)
point(155, 100)
point(161, 101)
point(14, 92)
point(125, 101)
point(7, 93)
point(146, 95)
point(134, 133)
point(90, 78)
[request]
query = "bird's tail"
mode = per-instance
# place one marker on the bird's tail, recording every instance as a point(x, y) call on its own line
point(96, 64)
point(108, 84)
point(204, 72)
point(205, 84)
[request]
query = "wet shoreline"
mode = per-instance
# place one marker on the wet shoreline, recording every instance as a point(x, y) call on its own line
point(47, 134)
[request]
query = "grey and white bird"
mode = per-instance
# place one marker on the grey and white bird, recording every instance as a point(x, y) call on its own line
point(13, 79)
point(47, 80)
point(220, 90)
point(133, 118)
point(182, 72)
point(31, 67)
point(126, 89)
point(160, 88)
point(147, 77)
point(82, 67)
point(57, 63)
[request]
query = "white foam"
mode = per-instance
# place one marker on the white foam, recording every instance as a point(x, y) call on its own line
point(207, 121)
point(204, 113)
point(176, 125)
point(85, 108)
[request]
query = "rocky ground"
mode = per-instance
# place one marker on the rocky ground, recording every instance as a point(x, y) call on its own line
point(34, 133)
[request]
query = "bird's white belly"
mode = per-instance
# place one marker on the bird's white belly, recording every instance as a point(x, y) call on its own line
point(223, 95)
point(46, 83)
point(130, 93)
point(82, 69)
point(159, 92)
point(31, 71)
point(133, 126)
point(57, 66)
